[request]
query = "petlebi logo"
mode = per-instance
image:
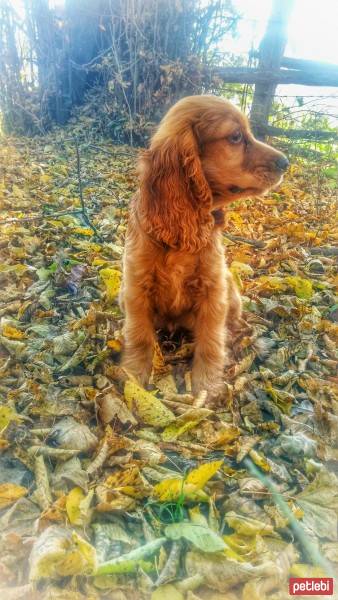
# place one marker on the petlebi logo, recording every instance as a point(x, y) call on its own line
point(311, 586)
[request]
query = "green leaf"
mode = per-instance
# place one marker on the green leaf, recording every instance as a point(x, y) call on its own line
point(129, 562)
point(202, 537)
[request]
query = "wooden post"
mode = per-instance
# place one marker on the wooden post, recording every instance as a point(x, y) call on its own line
point(271, 52)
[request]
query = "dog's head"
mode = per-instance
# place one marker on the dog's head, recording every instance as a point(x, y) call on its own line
point(202, 157)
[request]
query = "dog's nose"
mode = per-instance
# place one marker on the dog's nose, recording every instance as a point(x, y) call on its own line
point(282, 163)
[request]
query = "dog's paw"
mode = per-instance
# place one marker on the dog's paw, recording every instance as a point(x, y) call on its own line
point(208, 380)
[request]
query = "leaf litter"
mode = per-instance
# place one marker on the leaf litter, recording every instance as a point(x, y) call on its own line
point(108, 490)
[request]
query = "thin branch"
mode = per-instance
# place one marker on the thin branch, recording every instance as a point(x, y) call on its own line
point(83, 206)
point(40, 216)
point(242, 240)
point(129, 153)
point(306, 543)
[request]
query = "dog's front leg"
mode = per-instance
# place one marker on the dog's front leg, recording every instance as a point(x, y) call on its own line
point(210, 333)
point(139, 336)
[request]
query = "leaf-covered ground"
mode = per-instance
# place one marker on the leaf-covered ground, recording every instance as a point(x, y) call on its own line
point(111, 491)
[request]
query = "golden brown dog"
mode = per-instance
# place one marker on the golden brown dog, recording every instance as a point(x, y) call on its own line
point(202, 157)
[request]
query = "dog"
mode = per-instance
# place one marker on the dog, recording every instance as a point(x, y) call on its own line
point(202, 157)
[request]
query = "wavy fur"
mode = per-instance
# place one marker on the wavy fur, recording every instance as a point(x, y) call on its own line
point(175, 274)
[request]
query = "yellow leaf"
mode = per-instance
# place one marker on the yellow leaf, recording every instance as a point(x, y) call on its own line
point(127, 481)
point(200, 476)
point(298, 512)
point(271, 283)
point(184, 423)
point(235, 217)
point(248, 526)
point(240, 548)
point(149, 408)
point(95, 248)
point(18, 269)
point(10, 492)
point(99, 262)
point(185, 351)
point(7, 414)
point(240, 268)
point(114, 345)
point(58, 552)
point(303, 287)
point(283, 399)
point(45, 178)
point(225, 436)
point(73, 501)
point(17, 191)
point(158, 359)
point(56, 223)
point(12, 333)
point(170, 489)
point(83, 231)
point(112, 281)
point(259, 460)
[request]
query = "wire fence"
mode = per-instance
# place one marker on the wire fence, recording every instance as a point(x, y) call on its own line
point(303, 106)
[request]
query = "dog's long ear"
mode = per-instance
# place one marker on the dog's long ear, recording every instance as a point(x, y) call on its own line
point(175, 199)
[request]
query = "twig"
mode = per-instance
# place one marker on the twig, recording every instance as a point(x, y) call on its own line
point(118, 150)
point(41, 216)
point(308, 546)
point(83, 206)
point(237, 238)
point(101, 149)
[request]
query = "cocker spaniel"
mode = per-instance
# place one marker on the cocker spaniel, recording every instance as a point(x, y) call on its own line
point(202, 157)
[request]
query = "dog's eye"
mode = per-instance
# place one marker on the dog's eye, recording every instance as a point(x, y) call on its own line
point(236, 138)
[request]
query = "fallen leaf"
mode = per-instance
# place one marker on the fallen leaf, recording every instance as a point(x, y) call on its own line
point(190, 419)
point(302, 287)
point(60, 553)
point(71, 435)
point(170, 489)
point(148, 408)
point(111, 407)
point(248, 526)
point(202, 537)
point(319, 501)
point(12, 333)
point(221, 573)
point(78, 506)
point(10, 492)
point(7, 414)
point(129, 562)
point(112, 281)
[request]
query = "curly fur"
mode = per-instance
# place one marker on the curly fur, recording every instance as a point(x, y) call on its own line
point(175, 273)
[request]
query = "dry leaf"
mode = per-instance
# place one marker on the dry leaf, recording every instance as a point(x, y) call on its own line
point(9, 493)
point(148, 408)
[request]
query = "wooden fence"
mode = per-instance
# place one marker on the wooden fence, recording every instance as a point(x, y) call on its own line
point(273, 69)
